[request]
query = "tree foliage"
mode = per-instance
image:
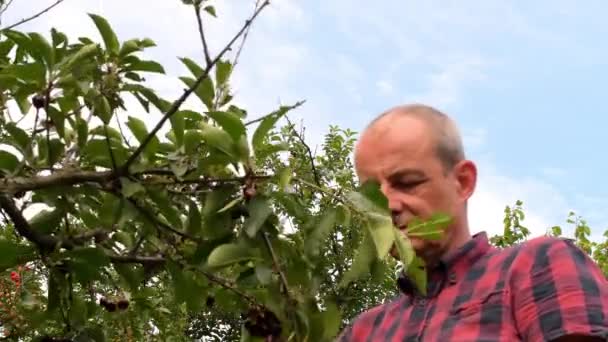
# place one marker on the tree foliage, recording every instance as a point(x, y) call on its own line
point(223, 227)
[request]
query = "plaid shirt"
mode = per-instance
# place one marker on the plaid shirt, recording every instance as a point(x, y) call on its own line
point(536, 291)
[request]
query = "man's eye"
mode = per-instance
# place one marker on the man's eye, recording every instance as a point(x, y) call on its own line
point(406, 185)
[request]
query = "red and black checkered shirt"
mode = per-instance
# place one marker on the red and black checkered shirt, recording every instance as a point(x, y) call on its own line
point(536, 291)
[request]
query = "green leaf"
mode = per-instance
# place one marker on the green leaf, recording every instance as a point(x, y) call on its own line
point(265, 126)
point(431, 229)
point(229, 254)
point(91, 334)
point(222, 72)
point(85, 52)
point(178, 124)
point(46, 50)
point(404, 247)
point(109, 37)
point(138, 127)
point(139, 130)
point(52, 153)
point(150, 66)
point(259, 209)
point(371, 190)
point(230, 122)
point(219, 139)
point(204, 91)
point(20, 139)
point(130, 188)
point(46, 221)
point(194, 219)
point(417, 273)
point(321, 231)
point(365, 255)
point(332, 320)
point(165, 206)
point(264, 274)
point(243, 151)
point(58, 120)
point(8, 162)
point(211, 10)
point(192, 140)
point(87, 263)
point(26, 72)
point(186, 288)
point(12, 254)
point(103, 110)
point(381, 229)
point(194, 68)
point(83, 131)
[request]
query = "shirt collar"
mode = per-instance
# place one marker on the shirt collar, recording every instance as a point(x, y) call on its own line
point(455, 262)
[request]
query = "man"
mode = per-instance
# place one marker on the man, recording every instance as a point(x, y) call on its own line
point(545, 289)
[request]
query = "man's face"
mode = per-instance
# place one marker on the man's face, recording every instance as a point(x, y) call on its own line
point(400, 154)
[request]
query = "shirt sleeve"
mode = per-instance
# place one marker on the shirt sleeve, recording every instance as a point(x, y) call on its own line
point(558, 290)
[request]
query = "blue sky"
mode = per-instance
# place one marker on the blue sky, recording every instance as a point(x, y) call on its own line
point(523, 80)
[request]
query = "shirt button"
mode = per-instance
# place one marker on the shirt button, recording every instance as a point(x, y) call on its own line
point(422, 301)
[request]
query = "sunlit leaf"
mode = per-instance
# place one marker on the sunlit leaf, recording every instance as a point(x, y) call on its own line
point(230, 122)
point(229, 254)
point(381, 229)
point(109, 37)
point(266, 125)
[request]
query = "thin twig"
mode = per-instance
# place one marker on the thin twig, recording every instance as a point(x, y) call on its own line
point(138, 244)
point(177, 104)
point(114, 166)
point(312, 160)
point(298, 104)
point(226, 284)
point(197, 10)
point(122, 134)
point(275, 260)
point(8, 3)
point(23, 21)
point(238, 52)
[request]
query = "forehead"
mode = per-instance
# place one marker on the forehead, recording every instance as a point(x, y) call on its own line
point(392, 144)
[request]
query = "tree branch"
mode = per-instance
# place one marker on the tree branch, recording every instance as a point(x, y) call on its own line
point(44, 242)
point(176, 105)
point(197, 10)
point(67, 177)
point(60, 178)
point(23, 21)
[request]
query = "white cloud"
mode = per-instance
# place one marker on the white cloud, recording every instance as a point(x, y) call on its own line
point(445, 86)
point(543, 203)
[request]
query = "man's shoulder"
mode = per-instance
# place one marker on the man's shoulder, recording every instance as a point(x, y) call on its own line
point(539, 248)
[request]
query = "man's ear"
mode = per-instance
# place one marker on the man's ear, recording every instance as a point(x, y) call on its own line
point(465, 173)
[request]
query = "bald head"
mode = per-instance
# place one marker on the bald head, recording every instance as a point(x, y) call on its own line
point(443, 130)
